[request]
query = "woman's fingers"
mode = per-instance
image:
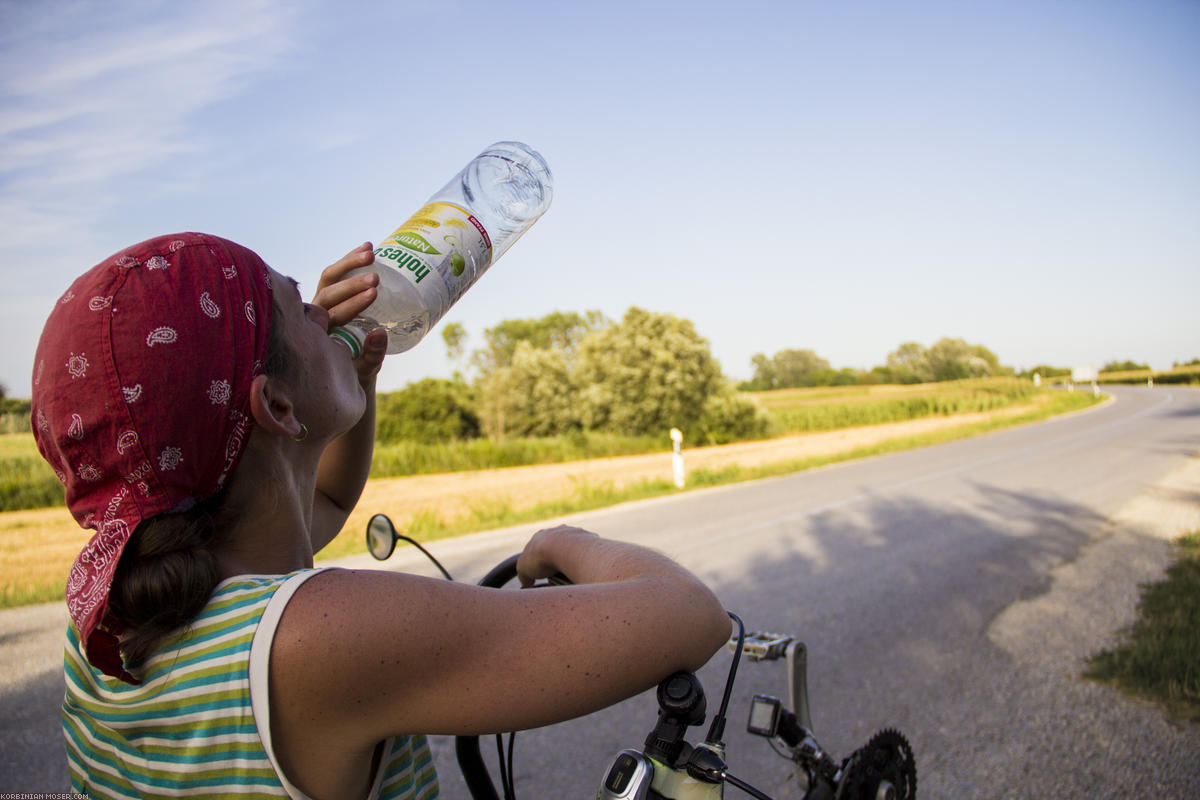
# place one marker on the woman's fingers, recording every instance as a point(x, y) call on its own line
point(346, 297)
point(360, 256)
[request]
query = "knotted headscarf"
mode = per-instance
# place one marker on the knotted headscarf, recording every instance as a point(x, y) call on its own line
point(141, 395)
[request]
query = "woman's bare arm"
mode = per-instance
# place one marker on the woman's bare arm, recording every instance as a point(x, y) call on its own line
point(370, 654)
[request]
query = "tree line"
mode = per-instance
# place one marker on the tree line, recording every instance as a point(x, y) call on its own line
point(946, 360)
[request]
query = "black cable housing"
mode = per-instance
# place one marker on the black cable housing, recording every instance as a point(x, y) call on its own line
point(745, 787)
point(428, 554)
point(717, 729)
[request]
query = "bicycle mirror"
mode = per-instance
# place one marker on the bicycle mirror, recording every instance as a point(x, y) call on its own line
point(381, 537)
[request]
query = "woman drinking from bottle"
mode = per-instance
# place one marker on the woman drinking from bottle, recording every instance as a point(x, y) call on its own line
point(214, 437)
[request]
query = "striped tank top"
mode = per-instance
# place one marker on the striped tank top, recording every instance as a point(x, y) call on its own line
point(197, 725)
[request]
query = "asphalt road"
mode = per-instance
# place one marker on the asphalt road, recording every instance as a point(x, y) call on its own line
point(920, 581)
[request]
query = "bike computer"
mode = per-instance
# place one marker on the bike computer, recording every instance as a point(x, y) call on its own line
point(764, 715)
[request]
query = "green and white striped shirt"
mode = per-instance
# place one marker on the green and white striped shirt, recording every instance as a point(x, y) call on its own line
point(191, 729)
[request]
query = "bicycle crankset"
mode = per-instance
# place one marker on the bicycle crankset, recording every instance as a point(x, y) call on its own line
point(882, 769)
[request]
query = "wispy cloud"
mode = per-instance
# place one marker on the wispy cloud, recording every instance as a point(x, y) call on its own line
point(91, 92)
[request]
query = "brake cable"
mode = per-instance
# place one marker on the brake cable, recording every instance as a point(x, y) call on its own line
point(717, 729)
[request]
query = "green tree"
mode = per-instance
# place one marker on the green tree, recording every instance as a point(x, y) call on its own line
point(558, 330)
point(798, 368)
point(430, 410)
point(954, 359)
point(789, 368)
point(909, 363)
point(729, 416)
point(947, 360)
point(534, 395)
point(502, 381)
point(1124, 366)
point(454, 336)
point(764, 374)
point(644, 375)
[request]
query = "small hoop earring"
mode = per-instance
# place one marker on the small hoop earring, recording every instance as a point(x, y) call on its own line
point(302, 435)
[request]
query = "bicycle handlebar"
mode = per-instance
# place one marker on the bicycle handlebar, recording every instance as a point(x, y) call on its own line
point(884, 767)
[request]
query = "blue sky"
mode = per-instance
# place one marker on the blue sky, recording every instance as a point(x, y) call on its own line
point(842, 176)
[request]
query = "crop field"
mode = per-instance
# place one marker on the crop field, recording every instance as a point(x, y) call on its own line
point(825, 409)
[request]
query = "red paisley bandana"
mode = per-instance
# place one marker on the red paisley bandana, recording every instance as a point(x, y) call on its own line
point(141, 397)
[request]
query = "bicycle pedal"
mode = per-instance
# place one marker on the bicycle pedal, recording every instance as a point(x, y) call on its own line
point(762, 646)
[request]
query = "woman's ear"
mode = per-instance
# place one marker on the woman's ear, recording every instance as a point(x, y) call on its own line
point(272, 408)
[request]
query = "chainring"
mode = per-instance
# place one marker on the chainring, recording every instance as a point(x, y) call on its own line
point(886, 757)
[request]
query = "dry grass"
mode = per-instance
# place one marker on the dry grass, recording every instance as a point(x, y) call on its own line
point(36, 551)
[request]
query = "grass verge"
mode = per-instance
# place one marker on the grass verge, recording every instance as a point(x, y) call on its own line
point(12, 596)
point(1160, 656)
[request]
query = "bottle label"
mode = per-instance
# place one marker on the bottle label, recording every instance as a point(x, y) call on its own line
point(442, 250)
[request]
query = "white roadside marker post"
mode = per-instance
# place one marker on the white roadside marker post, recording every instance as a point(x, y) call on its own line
point(677, 456)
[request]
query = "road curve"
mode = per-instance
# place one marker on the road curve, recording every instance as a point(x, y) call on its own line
point(921, 582)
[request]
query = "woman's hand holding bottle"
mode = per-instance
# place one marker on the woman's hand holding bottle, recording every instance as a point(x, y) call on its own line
point(344, 298)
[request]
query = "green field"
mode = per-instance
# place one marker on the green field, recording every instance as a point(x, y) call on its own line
point(808, 410)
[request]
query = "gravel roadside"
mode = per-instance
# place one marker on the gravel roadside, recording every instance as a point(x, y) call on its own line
point(1093, 741)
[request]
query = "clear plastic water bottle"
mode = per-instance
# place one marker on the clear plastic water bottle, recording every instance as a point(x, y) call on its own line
point(432, 259)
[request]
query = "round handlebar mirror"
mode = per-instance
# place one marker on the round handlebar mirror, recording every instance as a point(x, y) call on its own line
point(381, 537)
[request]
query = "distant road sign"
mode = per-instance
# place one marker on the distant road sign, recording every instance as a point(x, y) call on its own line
point(1083, 373)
